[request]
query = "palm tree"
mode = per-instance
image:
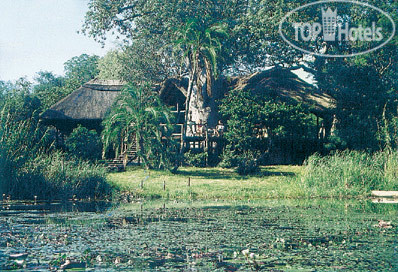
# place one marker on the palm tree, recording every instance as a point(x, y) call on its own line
point(138, 117)
point(202, 47)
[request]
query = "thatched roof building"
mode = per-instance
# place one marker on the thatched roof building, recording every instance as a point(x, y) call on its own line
point(285, 86)
point(88, 105)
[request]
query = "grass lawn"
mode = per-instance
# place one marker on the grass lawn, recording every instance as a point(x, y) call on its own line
point(209, 183)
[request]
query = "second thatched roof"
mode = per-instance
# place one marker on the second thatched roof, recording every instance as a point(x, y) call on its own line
point(283, 85)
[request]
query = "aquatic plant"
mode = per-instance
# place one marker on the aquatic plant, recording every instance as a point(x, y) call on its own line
point(349, 173)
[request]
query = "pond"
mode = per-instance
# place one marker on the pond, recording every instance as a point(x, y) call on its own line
point(316, 235)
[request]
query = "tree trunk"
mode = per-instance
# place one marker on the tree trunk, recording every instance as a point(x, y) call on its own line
point(200, 103)
point(202, 107)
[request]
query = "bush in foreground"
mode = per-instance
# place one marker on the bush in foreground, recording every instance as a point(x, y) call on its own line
point(349, 173)
point(55, 177)
point(195, 159)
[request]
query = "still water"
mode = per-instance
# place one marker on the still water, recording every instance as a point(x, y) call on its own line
point(316, 235)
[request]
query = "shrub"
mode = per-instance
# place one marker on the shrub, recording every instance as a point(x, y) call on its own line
point(55, 177)
point(259, 123)
point(247, 164)
point(84, 144)
point(228, 159)
point(195, 159)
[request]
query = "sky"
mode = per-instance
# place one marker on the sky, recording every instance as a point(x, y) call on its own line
point(41, 35)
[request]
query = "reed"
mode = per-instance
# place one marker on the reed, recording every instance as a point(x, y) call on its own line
point(349, 174)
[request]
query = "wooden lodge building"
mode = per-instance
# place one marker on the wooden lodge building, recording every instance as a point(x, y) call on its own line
point(89, 105)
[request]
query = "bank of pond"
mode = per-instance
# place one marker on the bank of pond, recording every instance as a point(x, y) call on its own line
point(348, 174)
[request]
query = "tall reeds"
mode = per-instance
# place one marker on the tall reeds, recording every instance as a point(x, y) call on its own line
point(349, 173)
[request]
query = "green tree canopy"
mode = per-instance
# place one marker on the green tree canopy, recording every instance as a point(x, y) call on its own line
point(50, 88)
point(257, 124)
point(201, 39)
point(82, 68)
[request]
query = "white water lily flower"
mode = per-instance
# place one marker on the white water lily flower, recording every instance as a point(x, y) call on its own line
point(245, 252)
point(252, 256)
point(20, 262)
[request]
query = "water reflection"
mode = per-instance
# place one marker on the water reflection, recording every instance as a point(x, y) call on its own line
point(16, 207)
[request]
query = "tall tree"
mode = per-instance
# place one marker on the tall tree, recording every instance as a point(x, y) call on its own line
point(200, 39)
point(82, 68)
point(50, 88)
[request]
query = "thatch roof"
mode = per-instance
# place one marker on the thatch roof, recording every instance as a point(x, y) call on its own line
point(283, 85)
point(90, 102)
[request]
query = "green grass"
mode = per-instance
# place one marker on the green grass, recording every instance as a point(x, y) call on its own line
point(349, 174)
point(209, 183)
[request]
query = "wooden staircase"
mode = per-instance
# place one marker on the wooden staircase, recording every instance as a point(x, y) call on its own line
point(126, 158)
point(129, 156)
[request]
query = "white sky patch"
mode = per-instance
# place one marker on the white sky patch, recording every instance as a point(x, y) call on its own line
point(41, 35)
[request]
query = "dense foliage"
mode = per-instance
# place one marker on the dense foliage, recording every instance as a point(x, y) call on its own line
point(19, 137)
point(196, 159)
point(364, 88)
point(139, 118)
point(57, 176)
point(176, 29)
point(257, 125)
point(84, 144)
point(50, 88)
point(28, 165)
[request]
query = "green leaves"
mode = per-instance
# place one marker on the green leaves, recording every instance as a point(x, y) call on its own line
point(197, 40)
point(84, 144)
point(227, 33)
point(21, 138)
point(83, 68)
point(256, 123)
point(139, 118)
